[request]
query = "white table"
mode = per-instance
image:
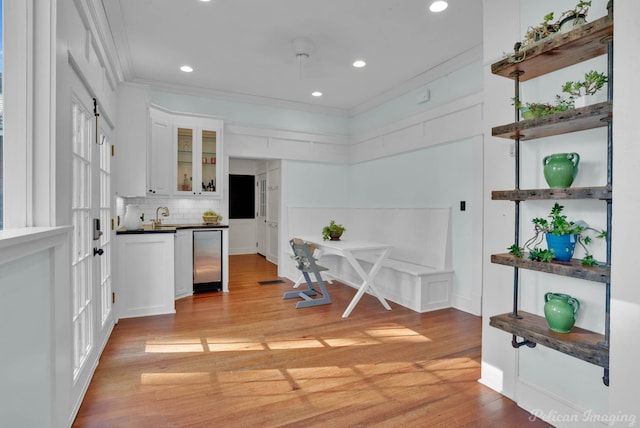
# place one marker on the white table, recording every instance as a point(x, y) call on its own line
point(346, 248)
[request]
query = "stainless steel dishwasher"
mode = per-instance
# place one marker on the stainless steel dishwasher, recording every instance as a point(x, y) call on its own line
point(207, 260)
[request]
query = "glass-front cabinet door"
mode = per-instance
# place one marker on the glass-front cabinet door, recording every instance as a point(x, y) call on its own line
point(198, 148)
point(185, 160)
point(209, 161)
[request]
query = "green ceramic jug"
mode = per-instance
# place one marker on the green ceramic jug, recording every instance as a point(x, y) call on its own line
point(560, 169)
point(560, 310)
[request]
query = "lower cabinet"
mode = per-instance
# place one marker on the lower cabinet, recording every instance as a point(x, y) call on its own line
point(184, 263)
point(145, 275)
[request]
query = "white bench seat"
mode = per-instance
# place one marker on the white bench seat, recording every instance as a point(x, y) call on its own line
point(406, 267)
point(418, 272)
point(417, 287)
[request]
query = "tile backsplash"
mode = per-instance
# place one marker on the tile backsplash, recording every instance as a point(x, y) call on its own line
point(181, 211)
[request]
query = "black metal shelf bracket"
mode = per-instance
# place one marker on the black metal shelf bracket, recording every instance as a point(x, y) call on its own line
point(525, 342)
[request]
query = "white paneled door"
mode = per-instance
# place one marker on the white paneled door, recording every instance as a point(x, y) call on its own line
point(92, 236)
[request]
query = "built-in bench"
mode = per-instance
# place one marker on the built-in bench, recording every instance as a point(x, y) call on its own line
point(418, 272)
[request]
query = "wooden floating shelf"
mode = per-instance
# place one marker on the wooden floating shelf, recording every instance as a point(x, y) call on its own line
point(601, 193)
point(580, 343)
point(572, 268)
point(578, 119)
point(558, 51)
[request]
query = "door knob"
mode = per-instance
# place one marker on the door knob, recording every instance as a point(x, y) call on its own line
point(98, 252)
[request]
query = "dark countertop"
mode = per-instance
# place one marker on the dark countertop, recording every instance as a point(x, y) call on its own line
point(169, 228)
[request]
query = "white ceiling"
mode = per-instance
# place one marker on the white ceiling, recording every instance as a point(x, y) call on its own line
point(243, 48)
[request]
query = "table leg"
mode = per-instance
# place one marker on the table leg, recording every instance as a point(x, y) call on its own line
point(367, 280)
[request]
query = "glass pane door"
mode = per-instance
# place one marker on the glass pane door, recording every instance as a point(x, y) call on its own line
point(185, 160)
point(209, 161)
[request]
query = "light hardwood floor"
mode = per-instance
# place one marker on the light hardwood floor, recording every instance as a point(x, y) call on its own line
point(248, 358)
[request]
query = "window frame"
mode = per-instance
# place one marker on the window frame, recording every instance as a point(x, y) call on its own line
point(29, 121)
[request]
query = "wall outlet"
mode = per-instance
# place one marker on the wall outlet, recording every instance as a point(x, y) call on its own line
point(463, 205)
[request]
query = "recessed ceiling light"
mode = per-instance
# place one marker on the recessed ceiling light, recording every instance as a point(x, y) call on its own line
point(359, 63)
point(316, 93)
point(186, 69)
point(438, 6)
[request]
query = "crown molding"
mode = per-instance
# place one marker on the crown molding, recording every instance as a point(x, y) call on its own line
point(242, 98)
point(112, 23)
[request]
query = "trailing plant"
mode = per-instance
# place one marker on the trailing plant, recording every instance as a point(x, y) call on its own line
point(332, 227)
point(540, 31)
point(542, 109)
point(580, 9)
point(557, 225)
point(592, 83)
point(549, 27)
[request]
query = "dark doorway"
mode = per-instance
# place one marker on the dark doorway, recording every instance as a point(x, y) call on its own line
point(241, 196)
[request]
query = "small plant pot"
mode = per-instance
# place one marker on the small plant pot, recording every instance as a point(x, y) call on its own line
point(562, 245)
point(571, 22)
point(335, 236)
point(210, 219)
point(527, 114)
point(587, 100)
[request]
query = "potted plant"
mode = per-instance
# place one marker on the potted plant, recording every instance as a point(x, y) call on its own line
point(561, 235)
point(540, 31)
point(582, 91)
point(332, 231)
point(533, 110)
point(571, 18)
point(211, 217)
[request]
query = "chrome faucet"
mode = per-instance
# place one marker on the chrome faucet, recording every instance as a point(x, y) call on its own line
point(157, 222)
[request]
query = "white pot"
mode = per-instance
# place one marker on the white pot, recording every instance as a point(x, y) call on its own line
point(587, 100)
point(570, 23)
point(132, 217)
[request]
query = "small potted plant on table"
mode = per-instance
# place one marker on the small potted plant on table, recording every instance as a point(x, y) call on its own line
point(332, 231)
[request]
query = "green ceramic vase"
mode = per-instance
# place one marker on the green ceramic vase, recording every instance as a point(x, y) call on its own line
point(560, 310)
point(560, 169)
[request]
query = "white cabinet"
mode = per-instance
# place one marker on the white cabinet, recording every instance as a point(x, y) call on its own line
point(160, 154)
point(145, 274)
point(184, 263)
point(184, 154)
point(198, 147)
point(132, 133)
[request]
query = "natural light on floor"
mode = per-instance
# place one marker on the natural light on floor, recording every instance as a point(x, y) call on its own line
point(273, 381)
point(377, 336)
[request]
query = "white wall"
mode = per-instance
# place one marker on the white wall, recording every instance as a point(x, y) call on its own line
point(456, 83)
point(27, 382)
point(36, 362)
point(431, 177)
point(625, 293)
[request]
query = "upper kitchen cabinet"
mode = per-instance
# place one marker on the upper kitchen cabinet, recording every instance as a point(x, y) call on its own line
point(198, 148)
point(160, 154)
point(183, 155)
point(132, 132)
